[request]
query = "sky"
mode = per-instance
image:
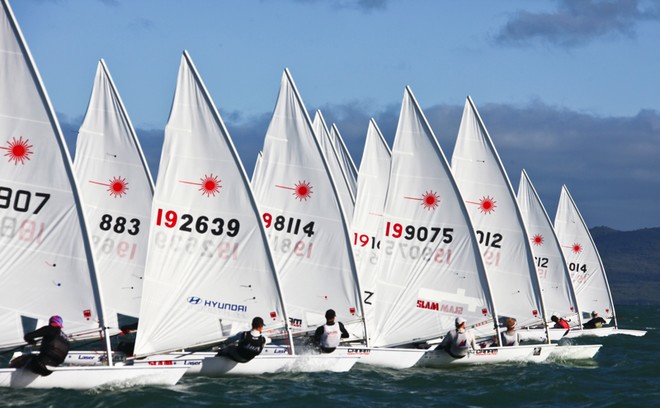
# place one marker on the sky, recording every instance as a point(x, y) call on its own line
point(568, 90)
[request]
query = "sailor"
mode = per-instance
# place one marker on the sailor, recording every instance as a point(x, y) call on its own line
point(249, 344)
point(596, 321)
point(328, 336)
point(54, 348)
point(510, 337)
point(560, 323)
point(458, 342)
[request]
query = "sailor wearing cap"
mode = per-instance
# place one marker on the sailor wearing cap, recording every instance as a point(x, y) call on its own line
point(328, 336)
point(458, 342)
point(250, 343)
point(596, 321)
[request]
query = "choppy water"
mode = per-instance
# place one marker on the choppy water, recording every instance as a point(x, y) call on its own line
point(626, 372)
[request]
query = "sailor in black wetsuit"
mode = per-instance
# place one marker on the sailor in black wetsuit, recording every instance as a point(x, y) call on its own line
point(596, 321)
point(250, 343)
point(53, 350)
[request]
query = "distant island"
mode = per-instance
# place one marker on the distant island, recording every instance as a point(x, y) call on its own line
point(632, 263)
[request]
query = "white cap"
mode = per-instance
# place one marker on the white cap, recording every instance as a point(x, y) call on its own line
point(459, 321)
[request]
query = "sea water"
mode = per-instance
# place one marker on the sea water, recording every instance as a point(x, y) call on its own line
point(625, 373)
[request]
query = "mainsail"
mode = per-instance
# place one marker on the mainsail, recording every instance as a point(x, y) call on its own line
point(304, 219)
point(551, 268)
point(586, 268)
point(209, 270)
point(47, 266)
point(117, 190)
point(334, 164)
point(499, 227)
point(373, 179)
point(429, 269)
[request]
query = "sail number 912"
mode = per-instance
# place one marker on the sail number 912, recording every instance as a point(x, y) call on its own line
point(201, 225)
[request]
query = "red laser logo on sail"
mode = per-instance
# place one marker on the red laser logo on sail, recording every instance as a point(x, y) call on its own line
point(302, 190)
point(117, 186)
point(429, 200)
point(486, 204)
point(18, 150)
point(538, 239)
point(209, 185)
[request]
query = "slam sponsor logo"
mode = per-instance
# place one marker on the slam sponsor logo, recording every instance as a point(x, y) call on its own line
point(293, 322)
point(439, 307)
point(486, 352)
point(215, 304)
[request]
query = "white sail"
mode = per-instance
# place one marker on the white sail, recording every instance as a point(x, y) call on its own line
point(495, 215)
point(47, 266)
point(584, 263)
point(346, 160)
point(429, 269)
point(373, 180)
point(255, 171)
point(304, 219)
point(555, 281)
point(117, 189)
point(209, 270)
point(334, 164)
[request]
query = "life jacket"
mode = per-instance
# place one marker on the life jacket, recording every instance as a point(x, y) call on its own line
point(563, 324)
point(250, 346)
point(331, 336)
point(54, 350)
point(459, 344)
point(510, 339)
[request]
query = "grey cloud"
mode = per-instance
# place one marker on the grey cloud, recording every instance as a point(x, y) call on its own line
point(575, 23)
point(609, 164)
point(363, 5)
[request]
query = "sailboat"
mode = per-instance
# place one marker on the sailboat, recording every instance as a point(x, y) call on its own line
point(552, 271)
point(117, 189)
point(209, 269)
point(373, 179)
point(586, 267)
point(347, 164)
point(339, 175)
point(554, 279)
point(48, 266)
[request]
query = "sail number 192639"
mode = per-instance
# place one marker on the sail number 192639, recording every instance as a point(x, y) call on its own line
point(201, 224)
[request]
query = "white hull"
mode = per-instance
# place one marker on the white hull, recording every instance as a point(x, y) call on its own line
point(398, 358)
point(84, 378)
point(269, 361)
point(604, 332)
point(575, 352)
point(536, 353)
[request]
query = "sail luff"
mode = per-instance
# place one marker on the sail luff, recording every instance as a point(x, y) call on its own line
point(131, 129)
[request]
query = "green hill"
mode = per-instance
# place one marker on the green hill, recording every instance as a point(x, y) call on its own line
point(632, 263)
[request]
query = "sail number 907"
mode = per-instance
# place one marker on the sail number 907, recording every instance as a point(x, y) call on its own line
point(201, 225)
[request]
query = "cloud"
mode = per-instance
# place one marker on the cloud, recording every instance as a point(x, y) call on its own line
point(575, 23)
point(609, 164)
point(362, 5)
